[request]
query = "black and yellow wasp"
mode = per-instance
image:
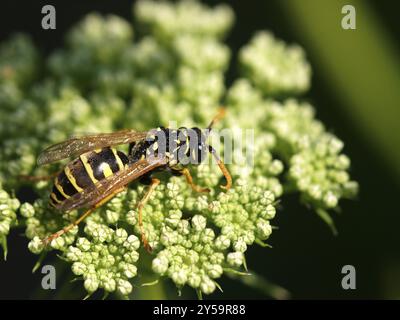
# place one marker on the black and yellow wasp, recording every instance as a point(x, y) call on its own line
point(99, 171)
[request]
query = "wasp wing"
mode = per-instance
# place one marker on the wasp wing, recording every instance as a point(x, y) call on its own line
point(78, 145)
point(102, 189)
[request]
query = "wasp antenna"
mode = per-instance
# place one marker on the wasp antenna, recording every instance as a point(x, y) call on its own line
point(221, 113)
point(224, 170)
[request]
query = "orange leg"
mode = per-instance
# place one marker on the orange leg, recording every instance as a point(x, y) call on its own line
point(82, 217)
point(154, 183)
point(189, 180)
point(221, 113)
point(222, 167)
point(227, 175)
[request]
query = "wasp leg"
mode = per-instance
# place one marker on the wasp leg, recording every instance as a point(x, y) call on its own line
point(82, 217)
point(222, 167)
point(154, 183)
point(189, 180)
point(227, 175)
point(221, 113)
point(39, 178)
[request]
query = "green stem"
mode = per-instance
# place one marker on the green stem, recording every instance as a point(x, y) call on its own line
point(3, 243)
point(260, 283)
point(149, 287)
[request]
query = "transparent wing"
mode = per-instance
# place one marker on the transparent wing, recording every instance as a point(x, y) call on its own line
point(105, 187)
point(77, 145)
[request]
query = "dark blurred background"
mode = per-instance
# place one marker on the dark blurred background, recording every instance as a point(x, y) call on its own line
point(355, 90)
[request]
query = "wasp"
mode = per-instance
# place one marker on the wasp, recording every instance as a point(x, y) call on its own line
point(99, 171)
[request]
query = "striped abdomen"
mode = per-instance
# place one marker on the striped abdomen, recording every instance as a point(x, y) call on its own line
point(85, 171)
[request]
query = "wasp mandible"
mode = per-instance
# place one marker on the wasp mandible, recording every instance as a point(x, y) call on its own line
point(99, 171)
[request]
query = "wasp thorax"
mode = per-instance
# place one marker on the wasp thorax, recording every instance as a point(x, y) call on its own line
point(181, 146)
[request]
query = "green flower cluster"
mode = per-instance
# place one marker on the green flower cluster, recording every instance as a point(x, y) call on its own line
point(274, 67)
point(8, 217)
point(90, 65)
point(318, 169)
point(103, 81)
point(41, 220)
point(243, 215)
point(106, 259)
point(18, 66)
point(321, 175)
point(191, 255)
point(166, 21)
